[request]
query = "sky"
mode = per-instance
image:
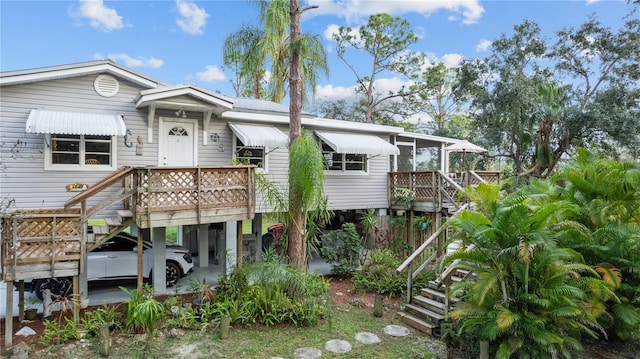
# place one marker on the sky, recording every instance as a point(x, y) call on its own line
point(180, 41)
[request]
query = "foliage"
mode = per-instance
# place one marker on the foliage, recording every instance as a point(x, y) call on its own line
point(57, 333)
point(272, 293)
point(144, 312)
point(342, 248)
point(252, 50)
point(104, 315)
point(531, 298)
point(402, 197)
point(607, 194)
point(536, 100)
point(386, 40)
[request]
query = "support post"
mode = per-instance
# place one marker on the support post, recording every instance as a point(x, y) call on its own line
point(76, 295)
point(140, 268)
point(159, 260)
point(8, 322)
point(203, 245)
point(105, 339)
point(225, 323)
point(239, 242)
point(377, 306)
point(21, 300)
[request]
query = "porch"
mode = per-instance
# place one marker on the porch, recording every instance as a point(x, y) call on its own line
point(54, 242)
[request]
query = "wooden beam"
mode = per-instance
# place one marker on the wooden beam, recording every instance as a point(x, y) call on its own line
point(140, 250)
point(151, 117)
point(8, 321)
point(20, 300)
point(239, 243)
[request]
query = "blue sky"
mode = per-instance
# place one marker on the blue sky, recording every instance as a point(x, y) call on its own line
point(180, 42)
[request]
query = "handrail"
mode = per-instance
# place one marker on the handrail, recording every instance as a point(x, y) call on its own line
point(448, 179)
point(418, 251)
point(449, 271)
point(477, 178)
point(426, 243)
point(104, 183)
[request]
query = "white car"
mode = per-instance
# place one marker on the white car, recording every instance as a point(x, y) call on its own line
point(117, 258)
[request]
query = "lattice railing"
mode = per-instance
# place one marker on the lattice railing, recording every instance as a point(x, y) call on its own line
point(31, 237)
point(162, 189)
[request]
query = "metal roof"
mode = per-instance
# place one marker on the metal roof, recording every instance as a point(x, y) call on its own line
point(75, 123)
point(259, 135)
point(357, 143)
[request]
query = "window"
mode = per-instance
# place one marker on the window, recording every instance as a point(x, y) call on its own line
point(80, 152)
point(250, 155)
point(334, 161)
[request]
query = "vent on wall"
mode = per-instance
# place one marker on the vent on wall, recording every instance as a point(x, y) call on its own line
point(106, 85)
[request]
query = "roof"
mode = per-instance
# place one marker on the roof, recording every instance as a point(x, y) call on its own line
point(251, 105)
point(357, 143)
point(75, 123)
point(259, 135)
point(161, 98)
point(74, 70)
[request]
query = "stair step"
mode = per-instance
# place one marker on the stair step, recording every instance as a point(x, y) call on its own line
point(429, 304)
point(435, 294)
point(124, 213)
point(427, 315)
point(100, 229)
point(113, 222)
point(417, 323)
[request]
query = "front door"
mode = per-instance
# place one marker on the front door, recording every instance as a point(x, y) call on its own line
point(178, 143)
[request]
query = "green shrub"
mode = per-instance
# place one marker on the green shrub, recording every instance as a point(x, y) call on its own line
point(271, 293)
point(342, 249)
point(57, 333)
point(105, 315)
point(379, 274)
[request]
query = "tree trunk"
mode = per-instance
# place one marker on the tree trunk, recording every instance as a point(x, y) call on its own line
point(295, 250)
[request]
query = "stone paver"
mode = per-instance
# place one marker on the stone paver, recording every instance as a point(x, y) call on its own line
point(367, 338)
point(307, 353)
point(396, 330)
point(338, 346)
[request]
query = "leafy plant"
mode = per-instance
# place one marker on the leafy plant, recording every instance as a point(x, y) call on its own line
point(342, 249)
point(104, 315)
point(56, 333)
point(402, 197)
point(144, 312)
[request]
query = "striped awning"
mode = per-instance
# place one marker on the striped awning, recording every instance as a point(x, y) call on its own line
point(357, 143)
point(75, 123)
point(259, 135)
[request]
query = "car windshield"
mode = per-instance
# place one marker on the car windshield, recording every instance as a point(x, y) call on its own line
point(120, 243)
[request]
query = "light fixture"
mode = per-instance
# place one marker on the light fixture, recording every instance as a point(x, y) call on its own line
point(181, 113)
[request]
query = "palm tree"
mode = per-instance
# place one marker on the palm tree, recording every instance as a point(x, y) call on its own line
point(252, 50)
point(531, 298)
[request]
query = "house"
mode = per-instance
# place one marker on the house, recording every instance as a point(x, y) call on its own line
point(77, 136)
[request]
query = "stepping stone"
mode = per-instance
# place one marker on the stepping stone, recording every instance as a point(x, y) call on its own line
point(338, 346)
point(307, 353)
point(396, 330)
point(367, 338)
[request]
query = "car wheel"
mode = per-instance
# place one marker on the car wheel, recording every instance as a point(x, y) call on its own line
point(59, 287)
point(173, 274)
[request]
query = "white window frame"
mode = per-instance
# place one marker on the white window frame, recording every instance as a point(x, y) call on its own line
point(265, 157)
point(344, 169)
point(81, 166)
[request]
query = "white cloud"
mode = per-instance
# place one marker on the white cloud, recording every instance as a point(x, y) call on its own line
point(191, 18)
point(451, 60)
point(589, 2)
point(130, 61)
point(331, 93)
point(356, 10)
point(483, 45)
point(211, 74)
point(99, 16)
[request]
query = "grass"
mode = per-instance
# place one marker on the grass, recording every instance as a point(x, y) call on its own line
point(261, 342)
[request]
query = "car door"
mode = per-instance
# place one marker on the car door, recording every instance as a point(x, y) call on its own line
point(118, 256)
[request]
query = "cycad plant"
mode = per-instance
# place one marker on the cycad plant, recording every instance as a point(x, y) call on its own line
point(607, 193)
point(531, 298)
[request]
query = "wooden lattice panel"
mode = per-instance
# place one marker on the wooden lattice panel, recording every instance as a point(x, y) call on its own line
point(28, 252)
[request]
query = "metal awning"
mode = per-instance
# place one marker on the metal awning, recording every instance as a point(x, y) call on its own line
point(259, 135)
point(75, 123)
point(357, 143)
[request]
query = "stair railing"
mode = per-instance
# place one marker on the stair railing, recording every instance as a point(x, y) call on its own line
point(430, 242)
point(449, 189)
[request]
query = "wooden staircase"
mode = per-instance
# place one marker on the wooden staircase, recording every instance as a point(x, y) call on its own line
point(427, 310)
point(100, 234)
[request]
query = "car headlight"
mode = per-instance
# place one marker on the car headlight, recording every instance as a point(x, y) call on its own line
point(187, 257)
